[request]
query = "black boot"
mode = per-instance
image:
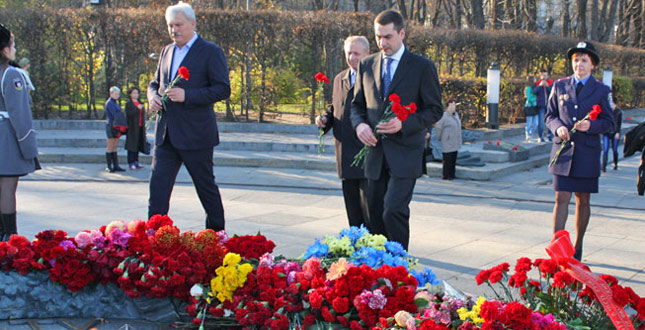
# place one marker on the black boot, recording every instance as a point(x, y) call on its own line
point(604, 161)
point(108, 158)
point(9, 224)
point(115, 161)
point(615, 160)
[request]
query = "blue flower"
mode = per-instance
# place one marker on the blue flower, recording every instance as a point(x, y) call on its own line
point(368, 256)
point(317, 250)
point(391, 260)
point(354, 233)
point(426, 277)
point(396, 249)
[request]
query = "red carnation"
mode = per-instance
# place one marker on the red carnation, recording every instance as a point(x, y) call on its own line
point(394, 98)
point(595, 111)
point(183, 72)
point(320, 77)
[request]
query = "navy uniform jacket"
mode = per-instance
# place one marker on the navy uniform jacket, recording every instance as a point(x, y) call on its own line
point(582, 157)
point(346, 143)
point(415, 80)
point(191, 124)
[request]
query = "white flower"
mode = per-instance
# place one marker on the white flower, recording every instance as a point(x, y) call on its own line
point(197, 290)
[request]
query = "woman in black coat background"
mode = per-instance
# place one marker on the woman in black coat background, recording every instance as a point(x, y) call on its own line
point(135, 141)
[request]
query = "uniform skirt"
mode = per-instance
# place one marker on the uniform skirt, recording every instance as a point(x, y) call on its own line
point(109, 131)
point(12, 163)
point(574, 184)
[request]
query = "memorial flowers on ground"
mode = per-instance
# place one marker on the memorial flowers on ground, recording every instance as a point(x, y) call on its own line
point(353, 280)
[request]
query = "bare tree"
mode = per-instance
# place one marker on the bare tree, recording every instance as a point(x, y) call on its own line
point(582, 19)
point(566, 18)
point(477, 14)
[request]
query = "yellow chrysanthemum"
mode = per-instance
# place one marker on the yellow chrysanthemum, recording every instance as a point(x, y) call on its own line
point(230, 276)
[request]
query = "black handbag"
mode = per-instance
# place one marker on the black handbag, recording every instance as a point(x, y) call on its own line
point(530, 110)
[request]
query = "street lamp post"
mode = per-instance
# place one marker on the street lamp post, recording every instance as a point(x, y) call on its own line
point(607, 77)
point(492, 96)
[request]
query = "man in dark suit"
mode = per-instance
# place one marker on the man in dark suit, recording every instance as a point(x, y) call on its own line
point(395, 159)
point(347, 144)
point(186, 130)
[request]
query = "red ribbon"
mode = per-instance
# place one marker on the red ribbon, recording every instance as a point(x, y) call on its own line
point(561, 250)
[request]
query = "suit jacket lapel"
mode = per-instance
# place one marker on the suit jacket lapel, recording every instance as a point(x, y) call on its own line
point(570, 88)
point(193, 51)
point(589, 88)
point(166, 65)
point(347, 81)
point(376, 68)
point(400, 71)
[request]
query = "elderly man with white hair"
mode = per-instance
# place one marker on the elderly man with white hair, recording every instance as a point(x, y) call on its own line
point(186, 129)
point(347, 144)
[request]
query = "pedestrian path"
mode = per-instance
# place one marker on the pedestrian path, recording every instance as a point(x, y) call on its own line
point(292, 147)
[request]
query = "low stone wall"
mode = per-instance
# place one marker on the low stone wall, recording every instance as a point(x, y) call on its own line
point(36, 296)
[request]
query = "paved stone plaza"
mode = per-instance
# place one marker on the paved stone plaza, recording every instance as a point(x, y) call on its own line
point(458, 227)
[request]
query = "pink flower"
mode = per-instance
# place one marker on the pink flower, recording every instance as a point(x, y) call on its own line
point(83, 239)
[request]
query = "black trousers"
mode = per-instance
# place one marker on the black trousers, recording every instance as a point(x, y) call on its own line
point(355, 195)
point(389, 205)
point(449, 162)
point(199, 163)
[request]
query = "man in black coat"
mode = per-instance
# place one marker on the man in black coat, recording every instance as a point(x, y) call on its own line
point(186, 132)
point(395, 159)
point(346, 143)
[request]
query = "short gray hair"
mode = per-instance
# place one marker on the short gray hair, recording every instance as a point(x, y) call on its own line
point(180, 7)
point(360, 39)
point(114, 89)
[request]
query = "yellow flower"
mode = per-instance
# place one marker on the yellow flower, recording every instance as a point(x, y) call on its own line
point(338, 269)
point(230, 276)
point(231, 259)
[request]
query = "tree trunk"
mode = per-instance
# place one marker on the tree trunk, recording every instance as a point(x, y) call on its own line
point(531, 10)
point(459, 13)
point(566, 19)
point(402, 9)
point(623, 24)
point(497, 13)
point(582, 19)
point(477, 8)
point(263, 96)
point(249, 82)
point(355, 5)
point(595, 16)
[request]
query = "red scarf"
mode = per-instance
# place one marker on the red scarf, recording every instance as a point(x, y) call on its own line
point(136, 104)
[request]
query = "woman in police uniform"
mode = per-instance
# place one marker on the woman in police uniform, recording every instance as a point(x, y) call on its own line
point(18, 150)
point(578, 166)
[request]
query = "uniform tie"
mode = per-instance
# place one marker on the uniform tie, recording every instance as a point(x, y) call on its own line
point(387, 75)
point(579, 88)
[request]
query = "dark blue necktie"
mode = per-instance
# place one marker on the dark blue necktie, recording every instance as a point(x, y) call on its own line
point(579, 87)
point(387, 76)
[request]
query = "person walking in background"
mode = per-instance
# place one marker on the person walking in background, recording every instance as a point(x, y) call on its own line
point(186, 131)
point(393, 163)
point(114, 120)
point(347, 144)
point(612, 137)
point(530, 109)
point(24, 67)
point(577, 168)
point(542, 91)
point(448, 130)
point(18, 150)
point(135, 140)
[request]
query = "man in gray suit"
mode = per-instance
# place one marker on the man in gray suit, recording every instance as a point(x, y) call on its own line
point(395, 160)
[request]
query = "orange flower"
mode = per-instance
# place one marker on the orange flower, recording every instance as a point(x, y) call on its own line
point(167, 236)
point(338, 269)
